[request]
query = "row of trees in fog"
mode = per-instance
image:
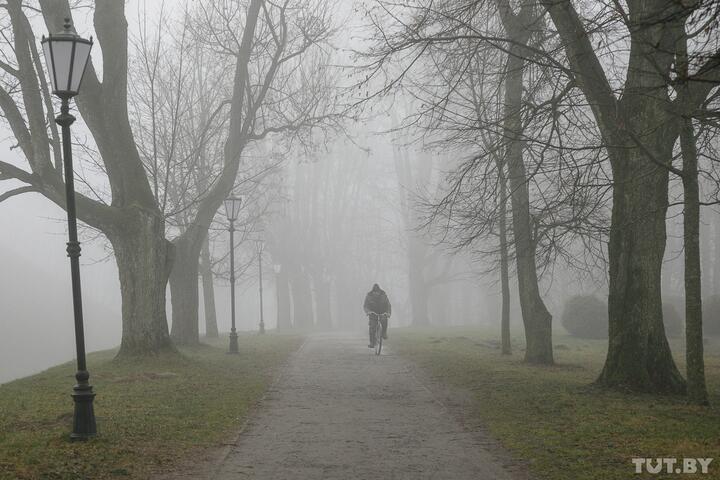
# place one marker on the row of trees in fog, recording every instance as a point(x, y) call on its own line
point(566, 131)
point(576, 114)
point(168, 124)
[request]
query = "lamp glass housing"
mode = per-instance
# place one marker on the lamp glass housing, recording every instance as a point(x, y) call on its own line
point(66, 55)
point(232, 207)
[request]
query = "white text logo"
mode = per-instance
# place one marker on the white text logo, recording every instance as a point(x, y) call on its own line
point(671, 465)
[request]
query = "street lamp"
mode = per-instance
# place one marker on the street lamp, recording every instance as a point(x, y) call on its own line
point(66, 56)
point(232, 209)
point(260, 247)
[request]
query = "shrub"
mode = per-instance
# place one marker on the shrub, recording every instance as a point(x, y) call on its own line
point(711, 315)
point(585, 316)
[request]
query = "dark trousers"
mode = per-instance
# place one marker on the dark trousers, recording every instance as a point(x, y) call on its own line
point(372, 322)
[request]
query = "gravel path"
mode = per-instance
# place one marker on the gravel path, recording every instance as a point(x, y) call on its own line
point(338, 412)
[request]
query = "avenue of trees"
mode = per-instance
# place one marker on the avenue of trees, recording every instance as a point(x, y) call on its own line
point(594, 104)
point(527, 137)
point(236, 74)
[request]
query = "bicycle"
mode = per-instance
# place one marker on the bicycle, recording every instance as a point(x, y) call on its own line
point(378, 330)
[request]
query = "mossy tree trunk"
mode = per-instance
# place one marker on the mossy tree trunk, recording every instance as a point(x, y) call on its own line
point(143, 258)
point(640, 130)
point(639, 356)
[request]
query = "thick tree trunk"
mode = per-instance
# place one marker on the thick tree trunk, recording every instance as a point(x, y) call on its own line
point(184, 290)
point(211, 328)
point(144, 259)
point(697, 391)
point(645, 130)
point(536, 318)
point(640, 130)
point(639, 356)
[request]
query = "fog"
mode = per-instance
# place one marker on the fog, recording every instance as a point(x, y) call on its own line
point(355, 231)
point(359, 239)
point(342, 197)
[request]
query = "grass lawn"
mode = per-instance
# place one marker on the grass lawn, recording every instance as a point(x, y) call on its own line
point(150, 412)
point(552, 417)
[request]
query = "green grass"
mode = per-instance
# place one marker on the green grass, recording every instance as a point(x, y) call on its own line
point(554, 419)
point(151, 412)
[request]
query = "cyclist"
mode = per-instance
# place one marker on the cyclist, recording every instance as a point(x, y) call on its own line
point(377, 302)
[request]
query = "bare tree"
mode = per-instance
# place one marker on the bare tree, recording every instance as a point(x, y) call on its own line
point(286, 89)
point(640, 130)
point(448, 57)
point(266, 59)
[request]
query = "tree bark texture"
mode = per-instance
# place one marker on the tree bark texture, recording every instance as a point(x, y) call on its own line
point(639, 130)
point(696, 388)
point(184, 287)
point(143, 258)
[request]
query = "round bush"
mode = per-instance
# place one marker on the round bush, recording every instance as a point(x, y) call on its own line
point(711, 315)
point(673, 321)
point(585, 316)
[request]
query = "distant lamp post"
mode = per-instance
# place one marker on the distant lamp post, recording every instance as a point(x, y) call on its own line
point(66, 56)
point(232, 209)
point(260, 248)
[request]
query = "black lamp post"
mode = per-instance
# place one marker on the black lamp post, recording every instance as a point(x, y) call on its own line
point(232, 209)
point(260, 247)
point(66, 56)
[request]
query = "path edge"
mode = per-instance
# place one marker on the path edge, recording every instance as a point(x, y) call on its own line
point(226, 450)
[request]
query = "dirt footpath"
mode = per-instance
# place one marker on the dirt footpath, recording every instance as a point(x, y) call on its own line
point(338, 412)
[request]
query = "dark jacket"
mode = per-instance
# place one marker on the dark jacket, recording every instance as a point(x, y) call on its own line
point(377, 301)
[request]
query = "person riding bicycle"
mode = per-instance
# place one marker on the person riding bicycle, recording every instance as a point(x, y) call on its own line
point(377, 302)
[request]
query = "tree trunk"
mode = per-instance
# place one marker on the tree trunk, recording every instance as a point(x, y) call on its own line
point(184, 291)
point(696, 389)
point(536, 318)
point(504, 261)
point(416, 250)
point(639, 356)
point(639, 130)
point(211, 328)
point(143, 258)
